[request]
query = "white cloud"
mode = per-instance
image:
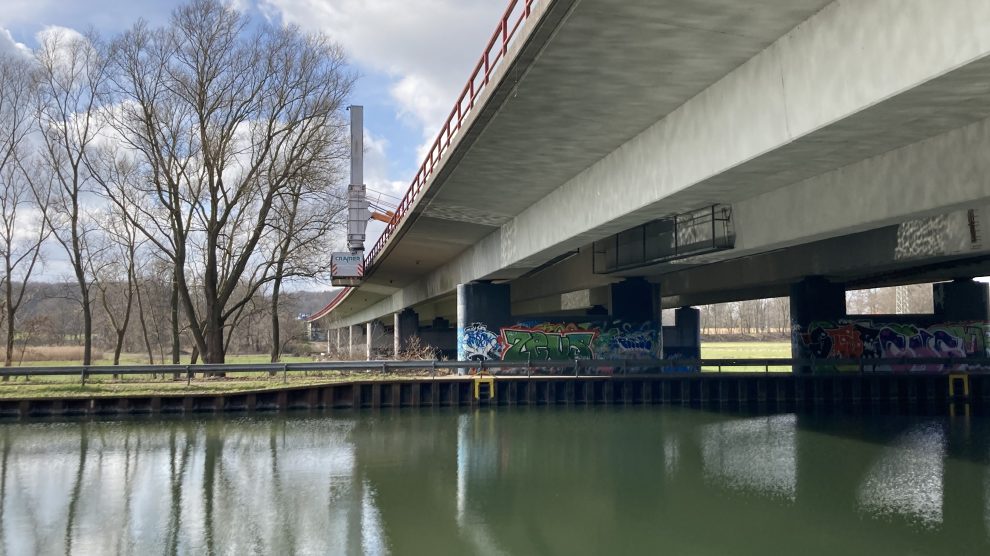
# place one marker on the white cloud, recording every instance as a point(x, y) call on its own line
point(9, 46)
point(381, 189)
point(58, 33)
point(242, 6)
point(428, 47)
point(376, 170)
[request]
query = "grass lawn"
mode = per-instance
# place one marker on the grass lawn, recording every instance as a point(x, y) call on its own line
point(142, 385)
point(107, 385)
point(104, 387)
point(746, 350)
point(138, 359)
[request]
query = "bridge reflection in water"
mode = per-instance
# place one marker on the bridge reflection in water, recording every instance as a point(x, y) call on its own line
point(522, 481)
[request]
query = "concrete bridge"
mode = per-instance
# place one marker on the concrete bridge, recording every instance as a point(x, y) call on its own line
point(611, 157)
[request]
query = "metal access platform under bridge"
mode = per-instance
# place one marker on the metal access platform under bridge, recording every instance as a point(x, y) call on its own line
point(909, 385)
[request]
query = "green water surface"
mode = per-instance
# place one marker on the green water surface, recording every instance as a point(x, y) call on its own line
point(505, 481)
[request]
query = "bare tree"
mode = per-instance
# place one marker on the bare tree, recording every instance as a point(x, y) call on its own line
point(115, 272)
point(73, 78)
point(21, 233)
point(304, 216)
point(224, 117)
point(139, 292)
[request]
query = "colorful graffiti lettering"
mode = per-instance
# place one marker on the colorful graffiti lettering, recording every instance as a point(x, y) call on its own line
point(520, 344)
point(855, 339)
point(544, 341)
point(477, 343)
point(629, 341)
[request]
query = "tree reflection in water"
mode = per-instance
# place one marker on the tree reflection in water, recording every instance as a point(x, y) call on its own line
point(572, 481)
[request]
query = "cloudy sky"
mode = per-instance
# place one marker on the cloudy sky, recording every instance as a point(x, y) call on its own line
point(413, 57)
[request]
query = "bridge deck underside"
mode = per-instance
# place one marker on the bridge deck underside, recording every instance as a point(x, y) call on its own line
point(627, 111)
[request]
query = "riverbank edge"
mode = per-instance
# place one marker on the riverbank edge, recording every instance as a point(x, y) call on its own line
point(925, 391)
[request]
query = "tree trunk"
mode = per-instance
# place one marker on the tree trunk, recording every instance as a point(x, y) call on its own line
point(214, 335)
point(117, 348)
point(144, 325)
point(213, 329)
point(9, 351)
point(87, 315)
point(174, 307)
point(276, 341)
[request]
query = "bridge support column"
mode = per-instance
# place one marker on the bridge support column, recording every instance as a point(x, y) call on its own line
point(813, 299)
point(353, 335)
point(374, 334)
point(634, 300)
point(962, 300)
point(683, 340)
point(482, 309)
point(406, 326)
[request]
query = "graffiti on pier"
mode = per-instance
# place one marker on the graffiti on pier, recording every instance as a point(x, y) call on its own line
point(545, 341)
point(477, 343)
point(856, 339)
point(523, 344)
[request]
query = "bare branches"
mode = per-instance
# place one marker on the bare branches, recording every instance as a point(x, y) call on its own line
point(232, 122)
point(72, 96)
point(198, 161)
point(22, 226)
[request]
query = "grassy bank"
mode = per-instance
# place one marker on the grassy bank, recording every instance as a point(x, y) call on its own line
point(143, 385)
point(52, 389)
point(138, 359)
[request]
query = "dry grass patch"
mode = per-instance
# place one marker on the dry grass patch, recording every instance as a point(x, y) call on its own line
point(53, 353)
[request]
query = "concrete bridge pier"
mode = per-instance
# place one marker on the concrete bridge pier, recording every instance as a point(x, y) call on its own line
point(406, 325)
point(813, 299)
point(634, 300)
point(374, 337)
point(353, 337)
point(480, 305)
point(962, 300)
point(683, 340)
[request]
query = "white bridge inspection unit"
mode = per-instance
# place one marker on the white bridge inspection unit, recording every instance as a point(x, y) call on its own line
point(347, 268)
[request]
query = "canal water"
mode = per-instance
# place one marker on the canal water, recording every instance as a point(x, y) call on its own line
point(506, 481)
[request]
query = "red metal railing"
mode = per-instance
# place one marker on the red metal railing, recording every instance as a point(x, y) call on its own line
point(330, 306)
point(495, 52)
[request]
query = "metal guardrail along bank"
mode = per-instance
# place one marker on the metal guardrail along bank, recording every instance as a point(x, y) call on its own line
point(576, 367)
point(956, 387)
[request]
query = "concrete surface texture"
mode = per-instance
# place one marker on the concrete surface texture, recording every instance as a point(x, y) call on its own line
point(814, 121)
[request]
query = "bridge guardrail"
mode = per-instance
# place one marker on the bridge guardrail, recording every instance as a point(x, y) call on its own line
point(494, 54)
point(573, 367)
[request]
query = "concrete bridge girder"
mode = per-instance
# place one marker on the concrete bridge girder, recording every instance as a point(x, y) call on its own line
point(842, 125)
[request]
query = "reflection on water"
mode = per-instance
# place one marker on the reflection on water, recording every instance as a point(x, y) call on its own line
point(671, 455)
point(758, 454)
point(907, 478)
point(549, 481)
